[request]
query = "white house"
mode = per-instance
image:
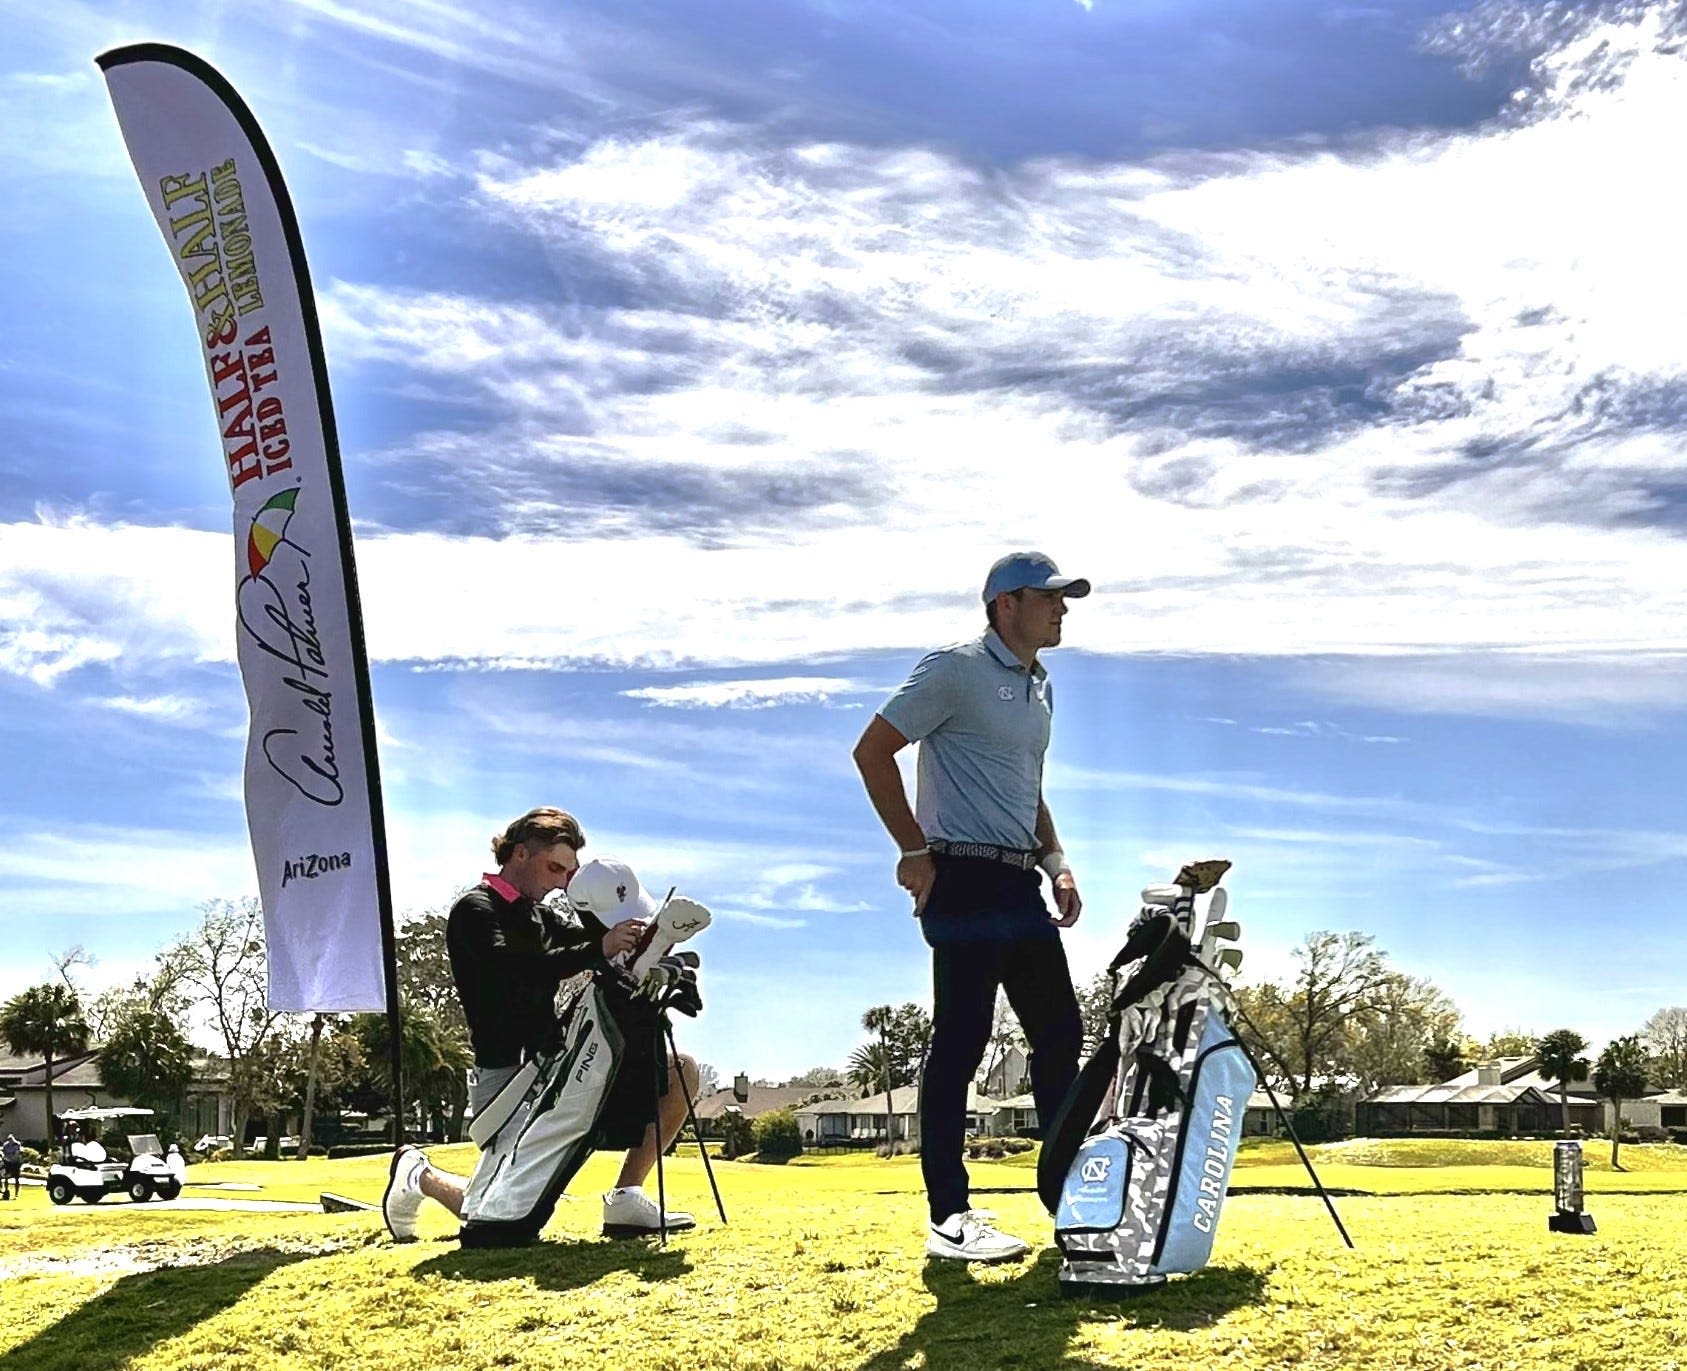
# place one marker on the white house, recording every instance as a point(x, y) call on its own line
point(861, 1123)
point(1663, 1109)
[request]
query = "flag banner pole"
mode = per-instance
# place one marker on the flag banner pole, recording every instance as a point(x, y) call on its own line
point(313, 795)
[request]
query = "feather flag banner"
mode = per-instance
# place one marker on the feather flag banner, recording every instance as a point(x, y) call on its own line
point(313, 798)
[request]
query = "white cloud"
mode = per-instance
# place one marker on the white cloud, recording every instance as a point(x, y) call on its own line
point(139, 869)
point(761, 694)
point(927, 364)
point(169, 709)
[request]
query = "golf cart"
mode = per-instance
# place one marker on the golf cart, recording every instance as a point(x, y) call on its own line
point(84, 1170)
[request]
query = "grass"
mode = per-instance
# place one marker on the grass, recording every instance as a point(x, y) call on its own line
point(821, 1267)
point(1447, 1166)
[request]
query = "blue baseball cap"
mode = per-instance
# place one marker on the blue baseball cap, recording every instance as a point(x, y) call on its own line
point(1031, 571)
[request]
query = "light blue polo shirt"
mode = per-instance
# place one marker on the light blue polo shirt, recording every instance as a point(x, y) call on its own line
point(982, 722)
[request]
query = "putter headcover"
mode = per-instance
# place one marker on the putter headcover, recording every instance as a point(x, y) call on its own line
point(1200, 877)
point(680, 918)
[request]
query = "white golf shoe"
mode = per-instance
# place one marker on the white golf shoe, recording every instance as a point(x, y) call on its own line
point(402, 1201)
point(970, 1237)
point(630, 1213)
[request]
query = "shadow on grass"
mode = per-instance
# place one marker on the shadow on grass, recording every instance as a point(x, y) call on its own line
point(560, 1265)
point(142, 1311)
point(966, 1328)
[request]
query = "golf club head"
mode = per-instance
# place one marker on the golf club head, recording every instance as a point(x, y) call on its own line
point(1216, 906)
point(1226, 930)
point(1230, 960)
point(1161, 896)
point(679, 919)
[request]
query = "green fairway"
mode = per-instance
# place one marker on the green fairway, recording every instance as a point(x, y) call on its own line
point(821, 1266)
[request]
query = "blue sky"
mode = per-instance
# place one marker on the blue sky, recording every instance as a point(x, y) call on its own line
point(692, 365)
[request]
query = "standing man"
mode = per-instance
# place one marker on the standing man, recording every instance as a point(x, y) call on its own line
point(981, 712)
point(11, 1167)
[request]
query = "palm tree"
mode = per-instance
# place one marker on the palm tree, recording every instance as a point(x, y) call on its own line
point(435, 1058)
point(878, 1020)
point(46, 1018)
point(1621, 1075)
point(1561, 1061)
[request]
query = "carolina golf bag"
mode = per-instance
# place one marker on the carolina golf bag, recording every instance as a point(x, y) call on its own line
point(561, 1107)
point(1135, 1166)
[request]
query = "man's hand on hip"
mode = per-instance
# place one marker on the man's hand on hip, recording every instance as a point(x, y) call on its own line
point(916, 875)
point(1067, 900)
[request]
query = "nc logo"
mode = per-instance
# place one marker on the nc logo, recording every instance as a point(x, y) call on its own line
point(1004, 692)
point(1095, 1169)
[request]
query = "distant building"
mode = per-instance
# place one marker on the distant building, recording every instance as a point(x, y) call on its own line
point(1009, 1075)
point(1508, 1096)
point(861, 1122)
point(762, 1099)
point(1660, 1109)
point(77, 1084)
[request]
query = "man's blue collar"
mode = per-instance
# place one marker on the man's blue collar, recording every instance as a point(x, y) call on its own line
point(1003, 654)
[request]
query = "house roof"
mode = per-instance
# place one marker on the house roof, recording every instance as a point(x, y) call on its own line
point(30, 1073)
point(762, 1100)
point(1451, 1092)
point(1525, 1071)
point(1519, 1079)
point(905, 1099)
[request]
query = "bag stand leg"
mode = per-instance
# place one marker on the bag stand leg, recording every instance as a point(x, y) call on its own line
point(664, 1026)
point(1306, 1161)
point(696, 1130)
point(656, 1084)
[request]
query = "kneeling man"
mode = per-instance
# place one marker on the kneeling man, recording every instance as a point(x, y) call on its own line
point(509, 954)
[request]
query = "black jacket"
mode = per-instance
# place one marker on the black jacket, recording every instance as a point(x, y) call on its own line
point(508, 957)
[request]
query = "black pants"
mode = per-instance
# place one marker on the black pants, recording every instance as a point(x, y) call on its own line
point(965, 975)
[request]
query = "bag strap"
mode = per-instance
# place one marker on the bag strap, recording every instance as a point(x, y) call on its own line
point(1071, 1125)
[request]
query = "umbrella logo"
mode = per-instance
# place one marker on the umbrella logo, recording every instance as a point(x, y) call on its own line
point(269, 529)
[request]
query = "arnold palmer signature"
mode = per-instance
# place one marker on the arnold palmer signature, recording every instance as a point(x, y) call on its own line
point(281, 621)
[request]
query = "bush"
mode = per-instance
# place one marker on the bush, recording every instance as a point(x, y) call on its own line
point(356, 1150)
point(901, 1149)
point(219, 1154)
point(777, 1136)
point(1012, 1146)
point(738, 1134)
point(1650, 1133)
point(987, 1148)
point(1677, 1135)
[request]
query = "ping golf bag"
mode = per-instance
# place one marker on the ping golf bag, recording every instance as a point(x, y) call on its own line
point(561, 1107)
point(1136, 1163)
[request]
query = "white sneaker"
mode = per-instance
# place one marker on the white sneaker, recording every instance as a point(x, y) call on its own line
point(402, 1201)
point(630, 1213)
point(969, 1237)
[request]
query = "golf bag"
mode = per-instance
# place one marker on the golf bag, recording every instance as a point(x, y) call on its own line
point(598, 1089)
point(544, 1126)
point(1136, 1163)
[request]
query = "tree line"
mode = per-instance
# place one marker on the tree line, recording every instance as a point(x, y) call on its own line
point(1345, 1024)
point(278, 1065)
